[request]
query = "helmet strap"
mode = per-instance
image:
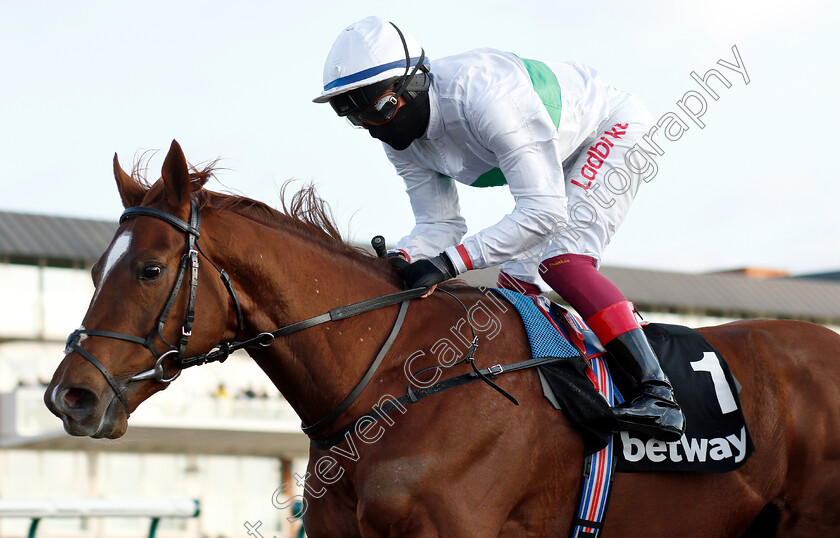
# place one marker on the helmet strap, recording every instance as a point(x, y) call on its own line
point(407, 77)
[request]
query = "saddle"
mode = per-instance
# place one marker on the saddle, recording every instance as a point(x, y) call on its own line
point(716, 438)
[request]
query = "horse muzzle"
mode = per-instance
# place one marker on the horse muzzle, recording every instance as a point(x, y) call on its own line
point(84, 413)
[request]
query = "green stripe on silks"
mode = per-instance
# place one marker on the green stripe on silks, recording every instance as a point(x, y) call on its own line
point(546, 85)
point(548, 89)
point(493, 178)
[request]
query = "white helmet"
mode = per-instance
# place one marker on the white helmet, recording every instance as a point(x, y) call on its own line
point(370, 51)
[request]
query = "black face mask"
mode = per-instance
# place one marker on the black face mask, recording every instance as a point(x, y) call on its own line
point(409, 124)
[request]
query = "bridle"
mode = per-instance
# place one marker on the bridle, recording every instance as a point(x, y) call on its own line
point(189, 262)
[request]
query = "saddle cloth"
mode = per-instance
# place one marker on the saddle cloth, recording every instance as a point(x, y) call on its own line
point(716, 439)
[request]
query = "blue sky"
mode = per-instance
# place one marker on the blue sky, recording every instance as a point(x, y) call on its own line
point(755, 187)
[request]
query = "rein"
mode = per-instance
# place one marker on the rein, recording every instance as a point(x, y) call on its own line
point(222, 351)
point(189, 259)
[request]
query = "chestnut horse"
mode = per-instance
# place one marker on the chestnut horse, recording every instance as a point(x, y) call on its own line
point(461, 463)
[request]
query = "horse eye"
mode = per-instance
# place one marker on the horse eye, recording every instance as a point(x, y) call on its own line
point(151, 272)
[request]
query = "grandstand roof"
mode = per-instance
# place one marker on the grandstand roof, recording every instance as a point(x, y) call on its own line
point(55, 241)
point(726, 295)
point(835, 276)
point(730, 295)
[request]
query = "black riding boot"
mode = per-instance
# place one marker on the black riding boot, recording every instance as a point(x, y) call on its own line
point(653, 410)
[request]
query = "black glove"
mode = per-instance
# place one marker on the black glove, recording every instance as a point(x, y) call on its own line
point(398, 261)
point(425, 273)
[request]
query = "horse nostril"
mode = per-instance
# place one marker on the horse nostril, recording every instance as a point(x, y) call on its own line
point(78, 399)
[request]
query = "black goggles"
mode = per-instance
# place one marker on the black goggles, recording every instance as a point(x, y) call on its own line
point(354, 101)
point(378, 113)
point(377, 103)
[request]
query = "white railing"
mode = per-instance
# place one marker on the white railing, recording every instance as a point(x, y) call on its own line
point(155, 509)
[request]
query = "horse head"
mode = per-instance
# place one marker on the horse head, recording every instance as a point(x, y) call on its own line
point(139, 319)
point(149, 318)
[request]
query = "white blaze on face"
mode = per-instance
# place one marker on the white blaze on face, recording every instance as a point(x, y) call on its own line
point(67, 349)
point(118, 249)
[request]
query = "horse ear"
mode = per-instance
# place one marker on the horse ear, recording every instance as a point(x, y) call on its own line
point(131, 192)
point(176, 176)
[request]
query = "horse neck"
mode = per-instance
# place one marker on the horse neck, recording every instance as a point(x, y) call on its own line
point(283, 277)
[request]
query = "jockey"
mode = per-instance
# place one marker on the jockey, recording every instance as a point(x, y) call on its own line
point(559, 138)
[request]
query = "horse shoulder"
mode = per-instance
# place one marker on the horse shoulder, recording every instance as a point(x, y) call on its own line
point(472, 443)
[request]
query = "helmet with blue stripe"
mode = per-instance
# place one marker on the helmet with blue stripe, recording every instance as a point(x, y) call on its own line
point(370, 57)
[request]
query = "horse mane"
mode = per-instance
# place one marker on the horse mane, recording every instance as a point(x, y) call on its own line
point(306, 213)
